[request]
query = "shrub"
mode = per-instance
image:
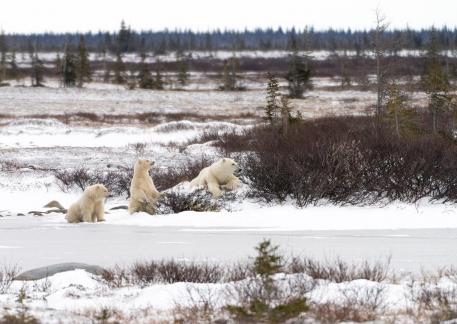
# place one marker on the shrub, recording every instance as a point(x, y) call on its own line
point(116, 181)
point(348, 160)
point(7, 275)
point(164, 271)
point(176, 202)
point(339, 270)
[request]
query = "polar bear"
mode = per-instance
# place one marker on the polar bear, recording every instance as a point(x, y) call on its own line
point(90, 207)
point(143, 193)
point(218, 176)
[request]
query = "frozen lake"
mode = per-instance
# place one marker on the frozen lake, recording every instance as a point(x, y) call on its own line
point(30, 243)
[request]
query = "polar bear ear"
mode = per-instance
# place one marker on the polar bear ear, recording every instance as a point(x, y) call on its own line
point(223, 160)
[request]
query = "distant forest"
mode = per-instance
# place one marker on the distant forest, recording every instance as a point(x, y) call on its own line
point(127, 40)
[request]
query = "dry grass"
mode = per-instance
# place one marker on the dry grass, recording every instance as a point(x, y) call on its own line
point(340, 271)
point(171, 271)
point(7, 275)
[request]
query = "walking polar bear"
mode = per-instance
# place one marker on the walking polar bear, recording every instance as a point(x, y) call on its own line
point(90, 207)
point(143, 193)
point(218, 176)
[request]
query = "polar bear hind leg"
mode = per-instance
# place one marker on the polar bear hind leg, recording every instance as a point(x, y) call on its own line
point(73, 214)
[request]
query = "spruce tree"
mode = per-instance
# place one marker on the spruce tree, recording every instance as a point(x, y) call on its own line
point(273, 95)
point(106, 69)
point(299, 74)
point(69, 68)
point(14, 70)
point(435, 80)
point(37, 71)
point(183, 68)
point(230, 76)
point(145, 80)
point(3, 58)
point(119, 69)
point(267, 263)
point(83, 71)
point(158, 81)
point(59, 68)
point(123, 38)
point(397, 115)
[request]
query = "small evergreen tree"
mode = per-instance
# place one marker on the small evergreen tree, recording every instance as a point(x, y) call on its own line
point(397, 114)
point(119, 69)
point(106, 69)
point(299, 74)
point(345, 77)
point(268, 261)
point(435, 80)
point(262, 300)
point(83, 71)
point(14, 70)
point(37, 71)
point(183, 68)
point(124, 38)
point(3, 58)
point(59, 68)
point(273, 96)
point(230, 77)
point(145, 80)
point(69, 68)
point(158, 81)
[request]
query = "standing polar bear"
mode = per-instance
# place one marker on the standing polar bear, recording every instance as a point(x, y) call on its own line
point(143, 193)
point(90, 207)
point(218, 176)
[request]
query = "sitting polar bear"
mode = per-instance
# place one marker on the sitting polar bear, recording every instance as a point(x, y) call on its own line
point(90, 207)
point(143, 193)
point(218, 176)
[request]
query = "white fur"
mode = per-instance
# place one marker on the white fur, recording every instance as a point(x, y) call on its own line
point(143, 193)
point(218, 176)
point(90, 207)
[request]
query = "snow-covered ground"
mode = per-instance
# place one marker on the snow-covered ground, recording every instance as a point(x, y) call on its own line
point(79, 297)
point(35, 138)
point(24, 59)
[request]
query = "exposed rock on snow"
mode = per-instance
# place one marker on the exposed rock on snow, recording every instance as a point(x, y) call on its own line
point(43, 272)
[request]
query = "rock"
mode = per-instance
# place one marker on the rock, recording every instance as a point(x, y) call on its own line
point(40, 273)
point(36, 213)
point(119, 207)
point(54, 204)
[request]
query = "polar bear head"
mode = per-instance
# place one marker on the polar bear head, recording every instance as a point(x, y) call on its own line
point(143, 165)
point(97, 191)
point(224, 168)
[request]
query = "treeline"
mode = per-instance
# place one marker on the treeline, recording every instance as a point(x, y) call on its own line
point(127, 40)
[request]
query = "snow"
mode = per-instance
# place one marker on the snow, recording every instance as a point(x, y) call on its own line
point(30, 133)
point(77, 292)
point(24, 60)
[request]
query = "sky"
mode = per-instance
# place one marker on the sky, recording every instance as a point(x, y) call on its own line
point(35, 16)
